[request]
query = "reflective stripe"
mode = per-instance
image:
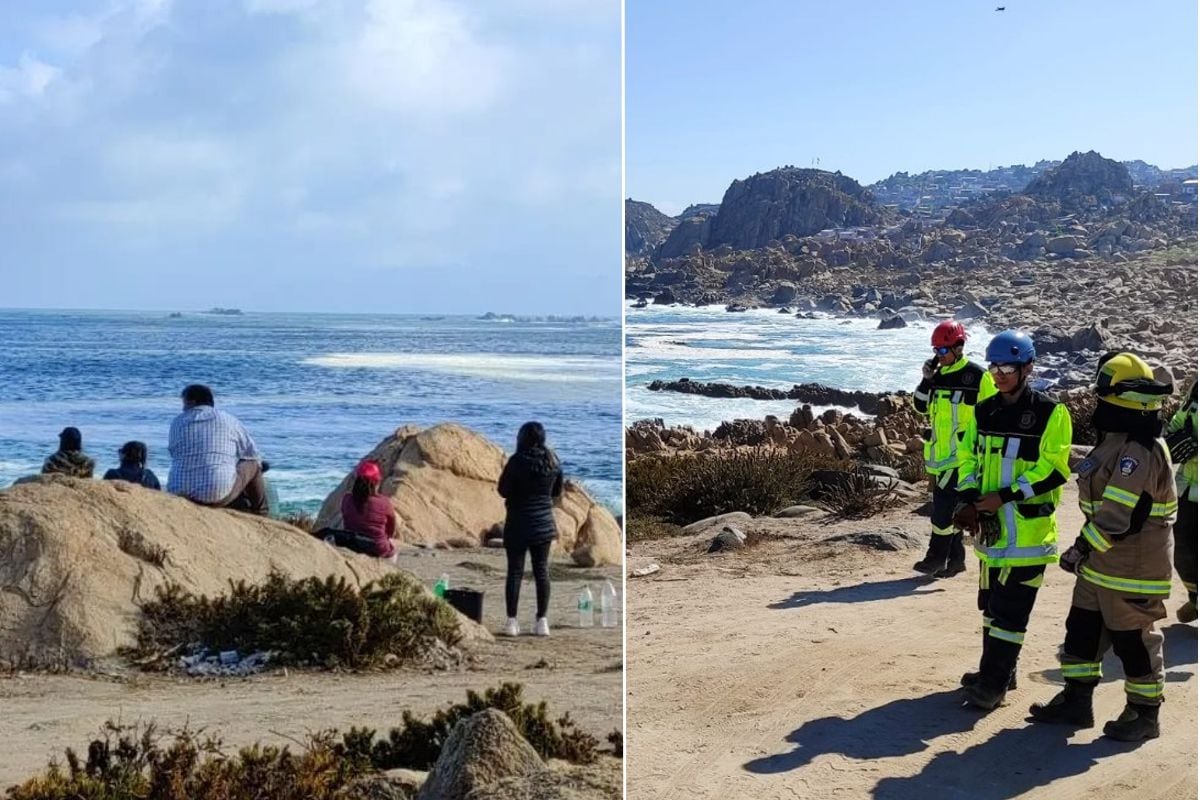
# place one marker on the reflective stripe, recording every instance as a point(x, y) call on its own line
point(1119, 495)
point(1034, 582)
point(1164, 509)
point(1095, 538)
point(1025, 487)
point(924, 396)
point(1007, 467)
point(969, 482)
point(954, 425)
point(943, 531)
point(1008, 636)
point(1125, 584)
point(987, 621)
point(1037, 551)
point(934, 464)
point(1089, 507)
point(1086, 670)
point(944, 479)
point(1149, 690)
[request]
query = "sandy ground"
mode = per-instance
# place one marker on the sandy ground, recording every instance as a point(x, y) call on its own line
point(795, 669)
point(575, 669)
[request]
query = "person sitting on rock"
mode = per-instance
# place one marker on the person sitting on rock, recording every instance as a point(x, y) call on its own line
point(368, 519)
point(530, 482)
point(214, 462)
point(133, 467)
point(69, 459)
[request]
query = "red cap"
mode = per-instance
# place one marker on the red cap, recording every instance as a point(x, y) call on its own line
point(369, 470)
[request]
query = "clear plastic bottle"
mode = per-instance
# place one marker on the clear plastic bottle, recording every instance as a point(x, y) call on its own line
point(608, 605)
point(442, 585)
point(586, 608)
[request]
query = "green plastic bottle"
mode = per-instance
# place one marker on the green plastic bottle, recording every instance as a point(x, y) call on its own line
point(442, 585)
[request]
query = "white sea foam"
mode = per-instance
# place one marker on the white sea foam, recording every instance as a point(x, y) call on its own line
point(495, 366)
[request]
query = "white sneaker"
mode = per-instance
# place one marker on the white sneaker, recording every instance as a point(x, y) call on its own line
point(541, 627)
point(512, 627)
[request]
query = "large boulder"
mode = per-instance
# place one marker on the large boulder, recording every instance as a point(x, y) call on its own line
point(442, 484)
point(481, 750)
point(78, 558)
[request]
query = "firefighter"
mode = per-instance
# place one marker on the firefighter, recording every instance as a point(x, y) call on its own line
point(1122, 556)
point(1181, 439)
point(950, 387)
point(1014, 464)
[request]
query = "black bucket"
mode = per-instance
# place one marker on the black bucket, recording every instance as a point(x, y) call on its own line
point(467, 602)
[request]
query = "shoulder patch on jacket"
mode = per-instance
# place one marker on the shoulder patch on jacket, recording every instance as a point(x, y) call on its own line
point(1128, 465)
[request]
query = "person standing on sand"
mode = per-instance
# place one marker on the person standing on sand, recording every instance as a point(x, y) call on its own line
point(133, 467)
point(69, 459)
point(1014, 464)
point(214, 462)
point(529, 484)
point(1122, 555)
point(1181, 438)
point(950, 388)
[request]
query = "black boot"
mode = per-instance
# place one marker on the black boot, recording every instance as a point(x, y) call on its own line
point(1136, 722)
point(935, 556)
point(973, 677)
point(956, 558)
point(1071, 706)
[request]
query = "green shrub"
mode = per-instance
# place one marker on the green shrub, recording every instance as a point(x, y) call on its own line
point(417, 744)
point(129, 763)
point(858, 497)
point(328, 622)
point(683, 489)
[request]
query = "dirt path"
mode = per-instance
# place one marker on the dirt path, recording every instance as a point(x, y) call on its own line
point(579, 671)
point(791, 671)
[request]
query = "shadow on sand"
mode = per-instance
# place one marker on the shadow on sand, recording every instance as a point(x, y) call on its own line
point(1007, 765)
point(1179, 650)
point(899, 728)
point(860, 593)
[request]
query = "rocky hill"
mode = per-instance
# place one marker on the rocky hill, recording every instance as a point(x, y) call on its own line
point(1083, 180)
point(645, 228)
point(770, 205)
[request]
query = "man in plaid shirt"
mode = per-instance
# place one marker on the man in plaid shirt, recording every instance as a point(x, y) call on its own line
point(214, 462)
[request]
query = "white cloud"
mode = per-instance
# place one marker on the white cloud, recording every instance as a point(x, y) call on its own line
point(29, 78)
point(424, 56)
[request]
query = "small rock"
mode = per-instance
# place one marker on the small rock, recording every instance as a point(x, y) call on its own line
point(728, 539)
point(702, 525)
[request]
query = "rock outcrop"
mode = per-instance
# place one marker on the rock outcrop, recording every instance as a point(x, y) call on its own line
point(442, 484)
point(78, 558)
point(645, 227)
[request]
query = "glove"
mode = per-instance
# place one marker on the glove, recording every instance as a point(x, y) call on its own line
point(989, 528)
point(1074, 556)
point(1182, 445)
point(966, 518)
point(929, 368)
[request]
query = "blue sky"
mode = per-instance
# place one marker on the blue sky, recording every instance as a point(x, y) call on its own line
point(716, 91)
point(323, 155)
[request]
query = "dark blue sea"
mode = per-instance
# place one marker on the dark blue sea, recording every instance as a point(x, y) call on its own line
point(316, 391)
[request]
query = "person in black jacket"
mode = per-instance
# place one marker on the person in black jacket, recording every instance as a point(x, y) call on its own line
point(529, 484)
point(133, 467)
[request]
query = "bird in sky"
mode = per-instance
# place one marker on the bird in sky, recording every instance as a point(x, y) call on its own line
point(999, 8)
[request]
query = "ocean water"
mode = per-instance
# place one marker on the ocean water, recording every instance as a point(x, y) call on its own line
point(762, 347)
point(316, 391)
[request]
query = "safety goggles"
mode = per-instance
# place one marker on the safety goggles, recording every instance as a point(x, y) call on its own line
point(1004, 369)
point(941, 351)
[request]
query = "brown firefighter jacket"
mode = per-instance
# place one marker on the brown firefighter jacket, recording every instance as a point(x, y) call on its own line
point(1127, 494)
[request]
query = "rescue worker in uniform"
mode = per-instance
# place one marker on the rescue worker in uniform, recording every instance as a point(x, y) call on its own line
point(1122, 556)
point(950, 387)
point(1181, 439)
point(1014, 465)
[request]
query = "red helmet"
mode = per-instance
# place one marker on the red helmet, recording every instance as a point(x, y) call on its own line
point(948, 333)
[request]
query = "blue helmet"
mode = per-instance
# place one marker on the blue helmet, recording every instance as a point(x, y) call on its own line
point(1011, 347)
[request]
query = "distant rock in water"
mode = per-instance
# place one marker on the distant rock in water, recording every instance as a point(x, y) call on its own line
point(227, 312)
point(1083, 175)
point(442, 484)
point(770, 205)
point(814, 393)
point(645, 228)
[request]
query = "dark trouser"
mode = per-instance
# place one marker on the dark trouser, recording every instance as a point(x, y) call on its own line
point(350, 541)
point(1100, 619)
point(539, 554)
point(1185, 546)
point(945, 541)
point(249, 492)
point(1006, 598)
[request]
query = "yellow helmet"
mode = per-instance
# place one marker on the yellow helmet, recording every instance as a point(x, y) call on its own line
point(1125, 380)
